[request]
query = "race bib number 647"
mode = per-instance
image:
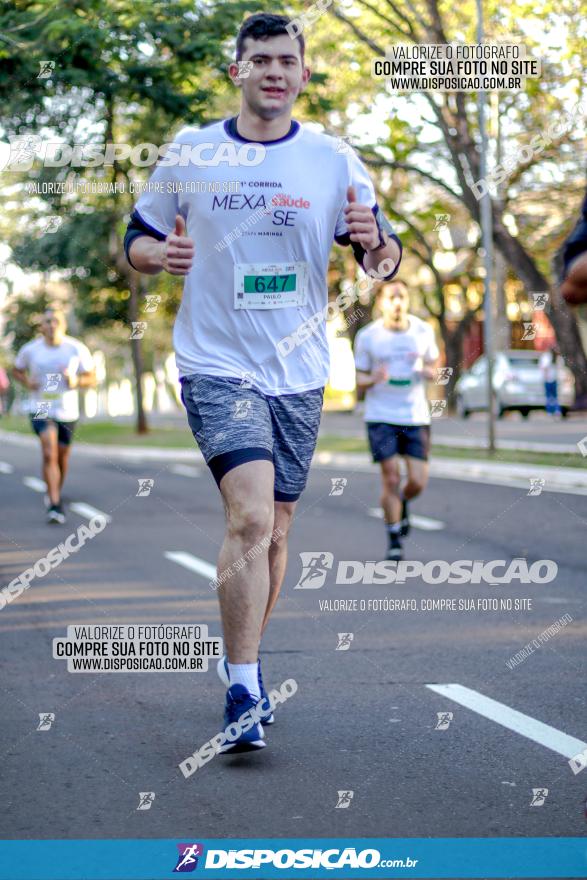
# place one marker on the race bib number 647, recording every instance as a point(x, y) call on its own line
point(270, 285)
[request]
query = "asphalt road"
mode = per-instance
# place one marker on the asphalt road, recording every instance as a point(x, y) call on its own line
point(363, 720)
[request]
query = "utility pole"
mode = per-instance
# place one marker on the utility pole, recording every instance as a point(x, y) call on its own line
point(487, 240)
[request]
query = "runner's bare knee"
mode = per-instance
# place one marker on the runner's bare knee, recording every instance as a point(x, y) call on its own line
point(251, 520)
point(390, 476)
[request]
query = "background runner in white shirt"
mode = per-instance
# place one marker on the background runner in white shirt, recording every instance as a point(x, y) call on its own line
point(53, 367)
point(394, 355)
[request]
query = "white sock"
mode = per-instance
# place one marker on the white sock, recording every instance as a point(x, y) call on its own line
point(247, 675)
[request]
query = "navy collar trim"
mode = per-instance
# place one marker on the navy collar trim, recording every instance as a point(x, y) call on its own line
point(231, 130)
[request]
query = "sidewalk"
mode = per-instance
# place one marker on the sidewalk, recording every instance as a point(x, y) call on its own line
point(536, 434)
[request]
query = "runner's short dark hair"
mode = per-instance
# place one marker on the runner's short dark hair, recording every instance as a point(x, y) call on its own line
point(261, 26)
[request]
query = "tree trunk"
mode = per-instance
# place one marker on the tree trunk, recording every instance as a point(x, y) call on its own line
point(454, 124)
point(502, 327)
point(568, 336)
point(561, 316)
point(137, 355)
point(453, 350)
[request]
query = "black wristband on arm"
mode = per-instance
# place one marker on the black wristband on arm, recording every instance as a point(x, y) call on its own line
point(135, 229)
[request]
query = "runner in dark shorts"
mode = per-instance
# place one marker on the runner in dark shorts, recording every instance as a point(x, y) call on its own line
point(394, 355)
point(65, 430)
point(387, 440)
point(52, 367)
point(250, 337)
point(281, 429)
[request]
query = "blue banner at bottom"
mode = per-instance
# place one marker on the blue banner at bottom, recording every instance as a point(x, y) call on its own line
point(289, 858)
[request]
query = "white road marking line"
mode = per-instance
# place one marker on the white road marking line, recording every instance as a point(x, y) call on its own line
point(426, 523)
point(88, 511)
point(537, 731)
point(192, 563)
point(185, 470)
point(35, 484)
point(6, 468)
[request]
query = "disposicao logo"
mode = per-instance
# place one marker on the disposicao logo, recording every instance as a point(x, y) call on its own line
point(187, 859)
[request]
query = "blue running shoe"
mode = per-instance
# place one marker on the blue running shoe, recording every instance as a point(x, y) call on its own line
point(238, 702)
point(222, 670)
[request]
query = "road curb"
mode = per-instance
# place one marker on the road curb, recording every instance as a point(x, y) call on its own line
point(474, 443)
point(571, 480)
point(108, 450)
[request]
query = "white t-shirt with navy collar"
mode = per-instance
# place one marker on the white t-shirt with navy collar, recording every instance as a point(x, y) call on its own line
point(303, 180)
point(46, 364)
point(402, 400)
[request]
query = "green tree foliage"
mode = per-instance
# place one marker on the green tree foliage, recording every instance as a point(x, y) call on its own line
point(122, 72)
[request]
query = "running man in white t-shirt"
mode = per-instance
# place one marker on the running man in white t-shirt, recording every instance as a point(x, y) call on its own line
point(394, 356)
point(53, 367)
point(247, 209)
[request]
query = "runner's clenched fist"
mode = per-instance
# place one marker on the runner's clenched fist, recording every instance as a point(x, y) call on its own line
point(379, 374)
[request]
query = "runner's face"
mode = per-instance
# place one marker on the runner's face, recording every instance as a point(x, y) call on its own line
point(53, 327)
point(276, 78)
point(395, 304)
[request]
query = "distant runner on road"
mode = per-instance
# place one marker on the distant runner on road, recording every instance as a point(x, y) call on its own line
point(53, 367)
point(394, 355)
